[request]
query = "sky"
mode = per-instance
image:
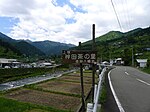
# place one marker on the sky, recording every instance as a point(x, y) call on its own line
point(70, 21)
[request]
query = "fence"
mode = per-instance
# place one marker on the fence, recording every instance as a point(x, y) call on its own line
point(93, 107)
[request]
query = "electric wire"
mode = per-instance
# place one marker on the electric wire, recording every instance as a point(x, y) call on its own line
point(128, 15)
point(117, 17)
point(124, 15)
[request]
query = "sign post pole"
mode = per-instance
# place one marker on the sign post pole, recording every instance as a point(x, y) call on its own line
point(82, 85)
point(93, 64)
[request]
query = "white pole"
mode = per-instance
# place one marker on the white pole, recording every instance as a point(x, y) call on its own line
point(95, 93)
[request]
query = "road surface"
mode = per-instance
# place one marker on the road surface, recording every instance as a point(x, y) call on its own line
point(132, 88)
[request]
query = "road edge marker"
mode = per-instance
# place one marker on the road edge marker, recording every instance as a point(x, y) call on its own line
point(114, 94)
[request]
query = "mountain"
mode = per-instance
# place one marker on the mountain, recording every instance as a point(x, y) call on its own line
point(106, 37)
point(8, 51)
point(27, 49)
point(22, 46)
point(51, 48)
point(39, 48)
point(6, 38)
point(116, 44)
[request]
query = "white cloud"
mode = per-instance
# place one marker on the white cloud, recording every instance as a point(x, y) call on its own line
point(47, 20)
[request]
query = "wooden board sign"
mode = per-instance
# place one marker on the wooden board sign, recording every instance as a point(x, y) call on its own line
point(79, 56)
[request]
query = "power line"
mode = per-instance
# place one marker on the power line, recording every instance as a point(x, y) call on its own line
point(116, 15)
point(124, 15)
point(128, 16)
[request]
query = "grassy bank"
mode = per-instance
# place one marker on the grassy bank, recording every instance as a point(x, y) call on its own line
point(20, 73)
point(9, 105)
point(147, 70)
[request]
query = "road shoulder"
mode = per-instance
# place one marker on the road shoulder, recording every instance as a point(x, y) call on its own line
point(110, 104)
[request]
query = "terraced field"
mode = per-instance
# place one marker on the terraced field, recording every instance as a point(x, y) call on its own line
point(62, 94)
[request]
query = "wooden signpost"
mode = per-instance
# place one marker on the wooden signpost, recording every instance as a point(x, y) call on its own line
point(81, 57)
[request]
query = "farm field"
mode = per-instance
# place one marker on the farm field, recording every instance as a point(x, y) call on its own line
point(62, 94)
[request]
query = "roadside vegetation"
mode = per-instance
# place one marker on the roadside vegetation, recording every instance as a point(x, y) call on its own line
point(10, 105)
point(20, 73)
point(147, 70)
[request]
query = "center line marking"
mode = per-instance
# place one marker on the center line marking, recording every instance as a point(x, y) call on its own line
point(127, 73)
point(143, 81)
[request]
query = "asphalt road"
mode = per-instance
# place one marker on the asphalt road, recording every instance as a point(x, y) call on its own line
point(132, 87)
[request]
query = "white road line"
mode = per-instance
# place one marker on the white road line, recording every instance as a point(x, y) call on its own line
point(143, 81)
point(127, 73)
point(114, 94)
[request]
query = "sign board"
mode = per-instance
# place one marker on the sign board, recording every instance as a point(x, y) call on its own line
point(79, 56)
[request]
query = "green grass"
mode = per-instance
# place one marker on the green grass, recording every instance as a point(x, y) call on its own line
point(147, 70)
point(33, 87)
point(103, 95)
point(9, 105)
point(20, 73)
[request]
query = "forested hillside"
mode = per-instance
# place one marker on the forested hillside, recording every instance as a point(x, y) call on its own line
point(8, 51)
point(35, 49)
point(117, 44)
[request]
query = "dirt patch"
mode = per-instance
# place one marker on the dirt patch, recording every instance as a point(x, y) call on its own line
point(44, 98)
point(86, 80)
point(65, 87)
point(78, 74)
point(37, 110)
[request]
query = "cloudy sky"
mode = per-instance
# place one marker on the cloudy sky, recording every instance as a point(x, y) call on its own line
point(70, 21)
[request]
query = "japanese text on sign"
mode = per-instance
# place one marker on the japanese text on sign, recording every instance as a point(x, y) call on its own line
point(79, 56)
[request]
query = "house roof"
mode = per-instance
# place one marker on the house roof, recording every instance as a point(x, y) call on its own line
point(4, 60)
point(118, 59)
point(141, 60)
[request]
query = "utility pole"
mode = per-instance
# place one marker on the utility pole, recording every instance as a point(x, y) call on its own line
point(93, 64)
point(82, 85)
point(132, 57)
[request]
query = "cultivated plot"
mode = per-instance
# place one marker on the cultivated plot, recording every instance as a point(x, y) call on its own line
point(44, 98)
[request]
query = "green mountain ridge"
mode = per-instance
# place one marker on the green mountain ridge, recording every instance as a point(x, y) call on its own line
point(8, 51)
point(116, 44)
point(27, 49)
point(34, 49)
point(50, 47)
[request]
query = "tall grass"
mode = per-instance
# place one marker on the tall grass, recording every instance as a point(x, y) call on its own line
point(147, 70)
point(19, 73)
point(9, 105)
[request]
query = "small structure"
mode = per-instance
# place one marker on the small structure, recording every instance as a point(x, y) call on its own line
point(142, 62)
point(111, 61)
point(119, 61)
point(9, 63)
point(45, 64)
point(105, 63)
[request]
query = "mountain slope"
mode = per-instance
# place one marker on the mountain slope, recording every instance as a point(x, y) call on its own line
point(6, 38)
point(27, 49)
point(8, 51)
point(39, 48)
point(116, 44)
point(51, 48)
point(106, 37)
point(23, 47)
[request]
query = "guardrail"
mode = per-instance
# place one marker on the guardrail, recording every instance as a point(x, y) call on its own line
point(92, 107)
